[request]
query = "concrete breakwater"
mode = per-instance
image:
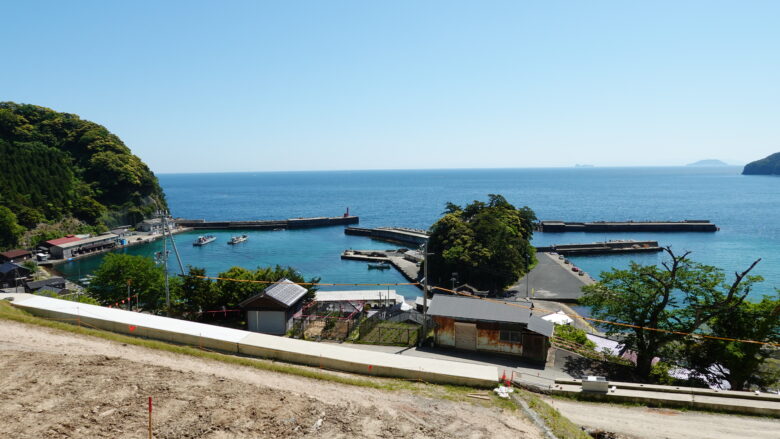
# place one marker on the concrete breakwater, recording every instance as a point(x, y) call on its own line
point(392, 234)
point(628, 226)
point(293, 223)
point(607, 247)
point(402, 262)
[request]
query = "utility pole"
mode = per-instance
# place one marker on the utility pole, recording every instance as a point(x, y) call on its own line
point(165, 264)
point(425, 293)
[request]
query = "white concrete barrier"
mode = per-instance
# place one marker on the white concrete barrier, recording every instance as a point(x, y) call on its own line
point(230, 340)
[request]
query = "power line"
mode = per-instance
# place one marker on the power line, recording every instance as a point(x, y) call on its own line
point(608, 322)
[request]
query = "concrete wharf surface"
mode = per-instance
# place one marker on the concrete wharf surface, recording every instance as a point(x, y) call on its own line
point(412, 237)
point(628, 226)
point(552, 279)
point(235, 341)
point(677, 396)
point(293, 223)
point(409, 269)
point(607, 247)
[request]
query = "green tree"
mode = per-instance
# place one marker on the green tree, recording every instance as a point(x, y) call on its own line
point(230, 293)
point(197, 293)
point(487, 244)
point(10, 230)
point(741, 364)
point(679, 296)
point(119, 272)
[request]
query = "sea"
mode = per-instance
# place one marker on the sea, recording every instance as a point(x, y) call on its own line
point(746, 208)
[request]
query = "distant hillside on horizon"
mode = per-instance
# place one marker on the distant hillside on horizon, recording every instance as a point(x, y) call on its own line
point(767, 166)
point(708, 162)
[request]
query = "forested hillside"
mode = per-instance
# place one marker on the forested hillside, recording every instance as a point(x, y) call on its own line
point(767, 166)
point(55, 166)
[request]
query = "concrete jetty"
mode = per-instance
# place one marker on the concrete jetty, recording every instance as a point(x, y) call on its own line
point(293, 223)
point(400, 235)
point(407, 266)
point(628, 226)
point(607, 247)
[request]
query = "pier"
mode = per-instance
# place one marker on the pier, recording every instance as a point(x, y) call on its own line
point(607, 247)
point(407, 265)
point(400, 235)
point(628, 226)
point(293, 223)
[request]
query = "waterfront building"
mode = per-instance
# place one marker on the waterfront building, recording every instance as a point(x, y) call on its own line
point(16, 255)
point(66, 248)
point(479, 325)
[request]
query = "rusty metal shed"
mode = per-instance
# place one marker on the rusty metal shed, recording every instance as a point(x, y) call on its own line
point(486, 325)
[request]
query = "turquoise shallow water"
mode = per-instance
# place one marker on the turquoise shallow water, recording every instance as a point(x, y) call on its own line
point(747, 208)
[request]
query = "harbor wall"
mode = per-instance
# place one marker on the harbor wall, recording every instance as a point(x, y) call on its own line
point(394, 235)
point(628, 226)
point(293, 223)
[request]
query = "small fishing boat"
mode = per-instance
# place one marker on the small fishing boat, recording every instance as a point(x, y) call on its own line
point(203, 240)
point(378, 266)
point(238, 239)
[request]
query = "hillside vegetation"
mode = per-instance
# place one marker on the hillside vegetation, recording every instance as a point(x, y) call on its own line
point(767, 166)
point(55, 166)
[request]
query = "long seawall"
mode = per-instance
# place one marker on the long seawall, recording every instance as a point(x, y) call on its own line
point(628, 226)
point(293, 223)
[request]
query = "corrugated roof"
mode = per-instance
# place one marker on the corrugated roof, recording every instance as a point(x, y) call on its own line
point(64, 240)
point(8, 267)
point(358, 295)
point(105, 237)
point(284, 291)
point(34, 285)
point(466, 308)
point(10, 254)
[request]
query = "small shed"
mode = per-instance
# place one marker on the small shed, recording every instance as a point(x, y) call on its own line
point(12, 274)
point(487, 325)
point(272, 311)
point(16, 255)
point(54, 282)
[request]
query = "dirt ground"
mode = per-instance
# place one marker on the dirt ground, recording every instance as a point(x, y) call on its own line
point(55, 384)
point(650, 423)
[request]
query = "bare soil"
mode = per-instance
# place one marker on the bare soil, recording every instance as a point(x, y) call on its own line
point(627, 422)
point(55, 384)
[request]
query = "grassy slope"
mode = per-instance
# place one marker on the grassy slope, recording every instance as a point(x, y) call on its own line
point(561, 426)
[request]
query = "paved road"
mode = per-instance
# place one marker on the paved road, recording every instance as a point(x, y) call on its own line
point(552, 279)
point(534, 372)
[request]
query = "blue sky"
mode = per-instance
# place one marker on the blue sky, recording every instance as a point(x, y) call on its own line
point(302, 85)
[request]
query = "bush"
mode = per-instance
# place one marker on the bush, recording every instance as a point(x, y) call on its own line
point(574, 335)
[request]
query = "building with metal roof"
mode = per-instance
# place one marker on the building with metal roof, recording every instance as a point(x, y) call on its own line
point(78, 247)
point(488, 325)
point(15, 255)
point(272, 310)
point(11, 274)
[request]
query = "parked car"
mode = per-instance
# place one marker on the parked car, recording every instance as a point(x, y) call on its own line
point(575, 269)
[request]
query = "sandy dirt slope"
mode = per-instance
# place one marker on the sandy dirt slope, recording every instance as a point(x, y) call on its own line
point(56, 384)
point(650, 423)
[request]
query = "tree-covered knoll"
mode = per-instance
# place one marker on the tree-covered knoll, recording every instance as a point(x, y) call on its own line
point(55, 166)
point(767, 166)
point(486, 244)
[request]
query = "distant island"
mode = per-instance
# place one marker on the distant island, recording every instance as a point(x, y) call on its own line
point(61, 174)
point(708, 162)
point(766, 166)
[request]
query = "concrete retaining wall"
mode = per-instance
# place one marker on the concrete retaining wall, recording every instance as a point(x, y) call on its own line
point(259, 345)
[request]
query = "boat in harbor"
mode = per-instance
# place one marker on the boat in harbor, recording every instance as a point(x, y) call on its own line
point(238, 239)
point(203, 240)
point(378, 266)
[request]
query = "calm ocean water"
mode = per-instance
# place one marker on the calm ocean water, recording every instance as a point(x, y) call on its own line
point(747, 209)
